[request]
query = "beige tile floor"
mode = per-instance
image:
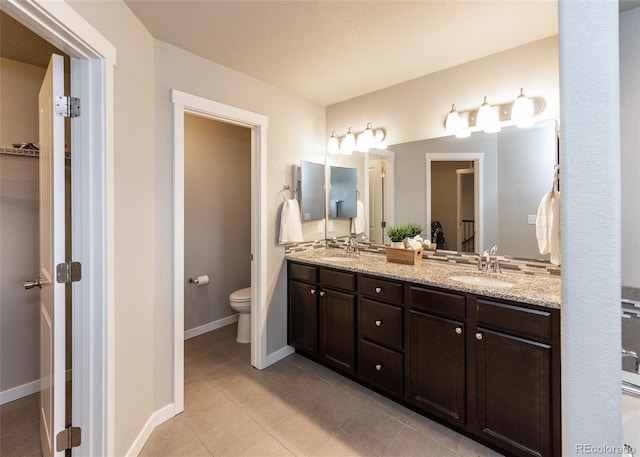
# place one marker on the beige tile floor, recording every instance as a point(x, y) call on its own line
point(293, 408)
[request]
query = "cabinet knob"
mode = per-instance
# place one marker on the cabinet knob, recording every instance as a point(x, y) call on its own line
point(459, 330)
point(378, 290)
point(379, 367)
point(378, 323)
point(313, 291)
point(478, 336)
point(322, 293)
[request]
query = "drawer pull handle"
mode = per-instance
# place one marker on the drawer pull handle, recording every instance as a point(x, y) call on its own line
point(478, 336)
point(378, 323)
point(313, 291)
point(378, 290)
point(322, 293)
point(379, 367)
point(459, 330)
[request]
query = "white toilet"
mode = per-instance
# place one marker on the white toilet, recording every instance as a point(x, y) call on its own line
point(240, 302)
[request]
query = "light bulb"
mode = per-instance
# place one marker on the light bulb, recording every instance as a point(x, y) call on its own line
point(522, 111)
point(452, 124)
point(332, 146)
point(348, 142)
point(488, 118)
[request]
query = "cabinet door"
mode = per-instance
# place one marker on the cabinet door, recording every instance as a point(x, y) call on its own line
point(337, 329)
point(303, 317)
point(513, 392)
point(437, 367)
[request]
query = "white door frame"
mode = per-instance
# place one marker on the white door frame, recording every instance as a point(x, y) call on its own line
point(192, 104)
point(478, 159)
point(93, 59)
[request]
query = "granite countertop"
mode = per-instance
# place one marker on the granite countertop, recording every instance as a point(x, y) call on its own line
point(538, 290)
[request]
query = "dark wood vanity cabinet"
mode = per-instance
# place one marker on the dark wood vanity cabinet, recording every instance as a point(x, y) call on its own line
point(381, 336)
point(303, 308)
point(437, 367)
point(517, 378)
point(322, 314)
point(490, 368)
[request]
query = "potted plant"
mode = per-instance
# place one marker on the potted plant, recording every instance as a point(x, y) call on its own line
point(414, 230)
point(397, 234)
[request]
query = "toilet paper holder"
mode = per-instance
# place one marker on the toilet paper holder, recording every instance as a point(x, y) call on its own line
point(199, 280)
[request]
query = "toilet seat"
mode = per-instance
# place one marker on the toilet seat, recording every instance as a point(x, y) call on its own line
point(242, 295)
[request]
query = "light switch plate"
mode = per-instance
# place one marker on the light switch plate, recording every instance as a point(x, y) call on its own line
point(330, 226)
point(321, 226)
point(531, 219)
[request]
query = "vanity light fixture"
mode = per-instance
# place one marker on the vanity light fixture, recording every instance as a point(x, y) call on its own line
point(521, 113)
point(522, 110)
point(488, 119)
point(361, 142)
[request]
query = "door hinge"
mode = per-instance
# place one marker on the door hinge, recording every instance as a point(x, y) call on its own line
point(68, 272)
point(68, 106)
point(68, 438)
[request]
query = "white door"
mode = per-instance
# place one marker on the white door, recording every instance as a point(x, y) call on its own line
point(52, 253)
point(376, 201)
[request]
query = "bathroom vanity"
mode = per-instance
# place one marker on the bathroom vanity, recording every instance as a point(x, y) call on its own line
point(483, 360)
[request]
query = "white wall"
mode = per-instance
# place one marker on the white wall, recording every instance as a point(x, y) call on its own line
point(295, 132)
point(630, 145)
point(589, 76)
point(416, 109)
point(217, 213)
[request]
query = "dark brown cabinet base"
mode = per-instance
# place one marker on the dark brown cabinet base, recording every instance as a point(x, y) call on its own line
point(488, 368)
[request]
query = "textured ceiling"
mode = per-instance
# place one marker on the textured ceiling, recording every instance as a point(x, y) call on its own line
point(329, 51)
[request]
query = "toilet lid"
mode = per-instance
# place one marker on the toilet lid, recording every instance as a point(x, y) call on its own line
point(241, 295)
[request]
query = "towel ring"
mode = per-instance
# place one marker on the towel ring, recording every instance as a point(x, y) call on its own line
point(285, 188)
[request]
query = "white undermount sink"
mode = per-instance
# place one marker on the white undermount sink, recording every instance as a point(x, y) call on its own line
point(337, 258)
point(481, 281)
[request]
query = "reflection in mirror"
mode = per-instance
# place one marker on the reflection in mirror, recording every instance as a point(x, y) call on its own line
point(517, 170)
point(343, 191)
point(311, 191)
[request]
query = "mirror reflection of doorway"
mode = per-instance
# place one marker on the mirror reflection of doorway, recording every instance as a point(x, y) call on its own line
point(465, 198)
point(379, 194)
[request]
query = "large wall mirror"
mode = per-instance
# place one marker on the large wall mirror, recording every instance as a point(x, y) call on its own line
point(491, 182)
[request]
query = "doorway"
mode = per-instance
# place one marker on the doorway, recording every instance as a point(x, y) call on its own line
point(92, 60)
point(217, 223)
point(184, 103)
point(435, 194)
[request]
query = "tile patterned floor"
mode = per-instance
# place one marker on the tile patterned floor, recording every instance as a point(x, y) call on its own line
point(293, 408)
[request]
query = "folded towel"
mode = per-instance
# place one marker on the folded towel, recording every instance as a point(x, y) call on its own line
point(548, 226)
point(290, 223)
point(358, 223)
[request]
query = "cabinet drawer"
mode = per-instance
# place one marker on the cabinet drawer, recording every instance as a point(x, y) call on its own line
point(515, 319)
point(301, 272)
point(436, 302)
point(388, 291)
point(381, 323)
point(338, 279)
point(381, 367)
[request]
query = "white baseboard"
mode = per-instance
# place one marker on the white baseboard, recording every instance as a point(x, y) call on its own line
point(24, 390)
point(193, 332)
point(18, 392)
point(157, 418)
point(279, 355)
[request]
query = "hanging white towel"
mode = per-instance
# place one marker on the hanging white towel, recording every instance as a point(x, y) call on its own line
point(358, 223)
point(290, 223)
point(548, 224)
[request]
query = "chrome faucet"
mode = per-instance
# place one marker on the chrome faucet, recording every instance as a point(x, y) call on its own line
point(634, 355)
point(489, 261)
point(352, 245)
